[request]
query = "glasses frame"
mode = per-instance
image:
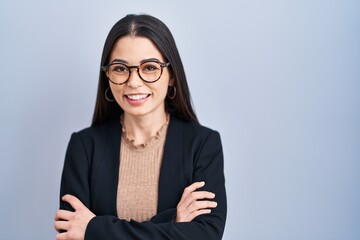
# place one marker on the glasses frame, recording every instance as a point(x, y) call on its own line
point(162, 66)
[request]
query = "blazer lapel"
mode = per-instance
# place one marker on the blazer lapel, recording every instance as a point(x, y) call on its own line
point(171, 180)
point(107, 170)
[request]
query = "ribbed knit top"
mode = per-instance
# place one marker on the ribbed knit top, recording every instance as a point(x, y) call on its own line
point(137, 195)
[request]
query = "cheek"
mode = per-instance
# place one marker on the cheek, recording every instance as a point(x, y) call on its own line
point(117, 93)
point(163, 89)
point(113, 89)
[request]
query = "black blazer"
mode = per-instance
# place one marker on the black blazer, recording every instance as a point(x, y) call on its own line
point(192, 153)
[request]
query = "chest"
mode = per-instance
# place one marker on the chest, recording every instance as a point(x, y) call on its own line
point(175, 173)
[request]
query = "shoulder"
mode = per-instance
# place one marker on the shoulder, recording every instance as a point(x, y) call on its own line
point(190, 130)
point(197, 144)
point(98, 133)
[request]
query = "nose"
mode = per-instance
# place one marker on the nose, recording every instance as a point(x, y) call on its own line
point(134, 79)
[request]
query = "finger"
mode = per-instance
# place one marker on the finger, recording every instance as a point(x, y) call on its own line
point(195, 196)
point(193, 215)
point(61, 225)
point(198, 195)
point(73, 201)
point(194, 186)
point(191, 188)
point(203, 195)
point(62, 236)
point(198, 205)
point(63, 215)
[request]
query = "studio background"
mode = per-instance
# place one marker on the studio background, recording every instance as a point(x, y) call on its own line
point(280, 80)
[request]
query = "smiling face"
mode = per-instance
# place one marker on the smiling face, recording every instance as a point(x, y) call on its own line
point(136, 97)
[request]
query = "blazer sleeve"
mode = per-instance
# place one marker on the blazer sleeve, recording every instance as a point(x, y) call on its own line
point(208, 166)
point(75, 175)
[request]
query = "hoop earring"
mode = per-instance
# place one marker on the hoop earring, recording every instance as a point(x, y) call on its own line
point(174, 94)
point(106, 97)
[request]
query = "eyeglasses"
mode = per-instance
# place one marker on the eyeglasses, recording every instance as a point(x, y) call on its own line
point(149, 71)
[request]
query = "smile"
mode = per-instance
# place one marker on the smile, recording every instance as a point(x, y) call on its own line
point(137, 97)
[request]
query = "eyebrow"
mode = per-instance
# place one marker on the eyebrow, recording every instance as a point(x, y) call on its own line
point(117, 60)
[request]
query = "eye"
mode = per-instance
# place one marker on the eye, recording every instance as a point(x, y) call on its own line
point(121, 69)
point(150, 67)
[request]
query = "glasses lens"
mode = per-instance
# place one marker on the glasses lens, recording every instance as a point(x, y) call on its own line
point(150, 71)
point(118, 73)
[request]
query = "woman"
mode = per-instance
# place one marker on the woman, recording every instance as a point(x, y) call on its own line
point(145, 169)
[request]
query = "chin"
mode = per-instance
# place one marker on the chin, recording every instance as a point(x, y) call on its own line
point(136, 112)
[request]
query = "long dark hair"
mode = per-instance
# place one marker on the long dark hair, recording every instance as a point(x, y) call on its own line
point(155, 30)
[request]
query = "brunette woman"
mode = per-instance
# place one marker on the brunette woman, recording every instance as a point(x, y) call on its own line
point(145, 169)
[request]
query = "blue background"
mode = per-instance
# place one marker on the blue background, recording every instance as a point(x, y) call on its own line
point(279, 79)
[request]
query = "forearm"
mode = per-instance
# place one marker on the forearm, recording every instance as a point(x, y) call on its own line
point(109, 227)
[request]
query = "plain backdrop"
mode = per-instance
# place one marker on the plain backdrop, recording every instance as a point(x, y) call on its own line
point(280, 80)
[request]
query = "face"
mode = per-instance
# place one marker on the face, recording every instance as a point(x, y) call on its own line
point(136, 97)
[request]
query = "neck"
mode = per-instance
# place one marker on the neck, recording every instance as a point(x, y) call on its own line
point(142, 128)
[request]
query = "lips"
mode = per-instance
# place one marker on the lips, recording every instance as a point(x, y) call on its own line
point(137, 97)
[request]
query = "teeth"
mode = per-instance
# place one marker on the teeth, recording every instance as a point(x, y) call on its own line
point(137, 97)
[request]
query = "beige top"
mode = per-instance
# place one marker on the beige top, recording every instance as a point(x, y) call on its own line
point(137, 195)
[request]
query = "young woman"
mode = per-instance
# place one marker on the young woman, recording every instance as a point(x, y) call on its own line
point(145, 169)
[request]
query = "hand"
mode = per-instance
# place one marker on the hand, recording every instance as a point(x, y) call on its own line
point(73, 223)
point(191, 204)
